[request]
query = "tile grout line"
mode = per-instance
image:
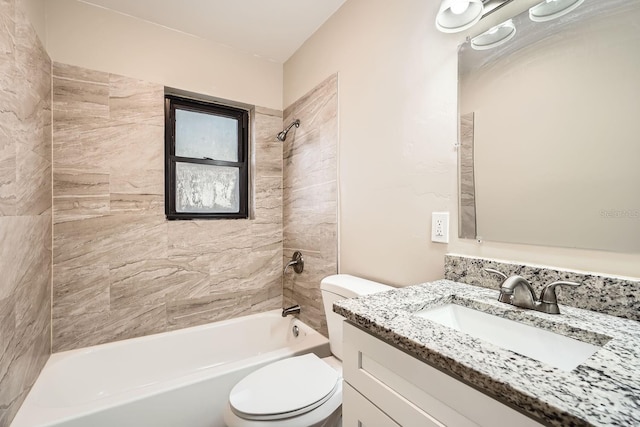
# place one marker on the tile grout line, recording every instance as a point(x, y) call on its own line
point(69, 79)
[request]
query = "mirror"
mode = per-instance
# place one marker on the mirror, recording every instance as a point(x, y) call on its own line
point(550, 132)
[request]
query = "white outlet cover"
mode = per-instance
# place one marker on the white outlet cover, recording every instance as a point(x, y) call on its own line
point(440, 227)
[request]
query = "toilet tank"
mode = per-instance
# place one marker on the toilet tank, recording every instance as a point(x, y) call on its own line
point(341, 286)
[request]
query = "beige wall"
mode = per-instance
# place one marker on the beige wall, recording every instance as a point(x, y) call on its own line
point(98, 39)
point(397, 115)
point(25, 208)
point(310, 209)
point(397, 104)
point(120, 269)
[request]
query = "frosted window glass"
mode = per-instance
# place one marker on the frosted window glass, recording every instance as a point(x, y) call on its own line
point(200, 135)
point(206, 188)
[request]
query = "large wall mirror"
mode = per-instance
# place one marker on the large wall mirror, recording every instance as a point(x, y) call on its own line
point(550, 131)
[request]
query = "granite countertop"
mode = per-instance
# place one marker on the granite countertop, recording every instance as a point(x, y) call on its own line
point(602, 391)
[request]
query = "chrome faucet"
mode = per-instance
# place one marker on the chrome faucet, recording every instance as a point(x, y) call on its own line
point(297, 262)
point(294, 309)
point(516, 290)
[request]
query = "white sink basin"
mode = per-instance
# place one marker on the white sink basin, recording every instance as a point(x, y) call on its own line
point(553, 349)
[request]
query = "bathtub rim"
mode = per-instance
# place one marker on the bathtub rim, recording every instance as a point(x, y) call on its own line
point(314, 342)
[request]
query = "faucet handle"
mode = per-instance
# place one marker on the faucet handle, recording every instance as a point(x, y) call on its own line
point(506, 295)
point(297, 262)
point(497, 272)
point(548, 294)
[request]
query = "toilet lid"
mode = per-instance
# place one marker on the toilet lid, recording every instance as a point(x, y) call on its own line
point(286, 388)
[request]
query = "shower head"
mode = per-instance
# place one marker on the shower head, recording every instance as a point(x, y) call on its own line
point(283, 135)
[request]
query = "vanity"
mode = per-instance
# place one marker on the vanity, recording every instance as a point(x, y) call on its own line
point(402, 367)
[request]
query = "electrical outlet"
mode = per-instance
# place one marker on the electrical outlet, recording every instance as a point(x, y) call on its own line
point(440, 227)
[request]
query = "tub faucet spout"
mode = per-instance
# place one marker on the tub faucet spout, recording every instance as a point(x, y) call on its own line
point(294, 309)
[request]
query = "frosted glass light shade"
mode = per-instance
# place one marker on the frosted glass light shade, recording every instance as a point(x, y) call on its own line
point(552, 9)
point(500, 34)
point(448, 21)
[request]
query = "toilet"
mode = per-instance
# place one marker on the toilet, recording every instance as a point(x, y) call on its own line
point(301, 391)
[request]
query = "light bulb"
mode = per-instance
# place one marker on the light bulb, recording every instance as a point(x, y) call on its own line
point(459, 6)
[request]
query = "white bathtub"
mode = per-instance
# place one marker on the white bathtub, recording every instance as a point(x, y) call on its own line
point(173, 379)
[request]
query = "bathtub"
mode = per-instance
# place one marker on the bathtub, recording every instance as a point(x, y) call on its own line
point(173, 379)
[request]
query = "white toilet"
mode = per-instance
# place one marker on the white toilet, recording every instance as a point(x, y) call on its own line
point(301, 391)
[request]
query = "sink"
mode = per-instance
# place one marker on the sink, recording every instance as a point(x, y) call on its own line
point(545, 346)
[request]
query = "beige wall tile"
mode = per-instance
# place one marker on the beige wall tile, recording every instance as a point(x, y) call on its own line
point(80, 290)
point(136, 101)
point(267, 111)
point(268, 150)
point(208, 237)
point(7, 167)
point(150, 204)
point(233, 271)
point(113, 245)
point(33, 182)
point(24, 249)
point(313, 164)
point(310, 199)
point(108, 239)
point(315, 199)
point(12, 384)
point(73, 208)
point(267, 172)
point(33, 131)
point(312, 233)
point(268, 200)
point(70, 182)
point(154, 281)
point(25, 208)
point(185, 313)
point(74, 97)
point(71, 72)
point(147, 181)
point(96, 328)
point(83, 143)
point(135, 149)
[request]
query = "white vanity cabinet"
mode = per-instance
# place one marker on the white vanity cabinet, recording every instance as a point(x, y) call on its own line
point(385, 386)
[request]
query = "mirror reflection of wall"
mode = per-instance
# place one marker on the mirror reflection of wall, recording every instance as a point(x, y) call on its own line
point(556, 130)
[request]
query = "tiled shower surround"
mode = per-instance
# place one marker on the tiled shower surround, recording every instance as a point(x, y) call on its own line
point(605, 294)
point(311, 198)
point(120, 269)
point(25, 207)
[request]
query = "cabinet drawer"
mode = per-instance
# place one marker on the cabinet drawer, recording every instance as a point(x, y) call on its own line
point(359, 412)
point(413, 393)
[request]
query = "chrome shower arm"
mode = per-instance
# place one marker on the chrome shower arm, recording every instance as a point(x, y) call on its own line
point(283, 135)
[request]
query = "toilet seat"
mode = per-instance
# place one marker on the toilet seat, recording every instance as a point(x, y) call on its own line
point(284, 389)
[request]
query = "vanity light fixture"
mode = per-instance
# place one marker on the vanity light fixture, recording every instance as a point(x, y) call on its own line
point(458, 15)
point(495, 36)
point(552, 9)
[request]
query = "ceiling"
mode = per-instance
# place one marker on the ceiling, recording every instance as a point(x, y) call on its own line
point(270, 29)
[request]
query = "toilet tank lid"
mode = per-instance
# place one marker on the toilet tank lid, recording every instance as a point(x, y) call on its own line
point(351, 286)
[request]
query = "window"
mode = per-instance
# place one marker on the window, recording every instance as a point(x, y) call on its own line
point(206, 168)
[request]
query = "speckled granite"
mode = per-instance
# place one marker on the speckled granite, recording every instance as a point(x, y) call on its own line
point(605, 294)
point(603, 391)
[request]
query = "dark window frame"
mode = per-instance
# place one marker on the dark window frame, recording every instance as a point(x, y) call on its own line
point(242, 116)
